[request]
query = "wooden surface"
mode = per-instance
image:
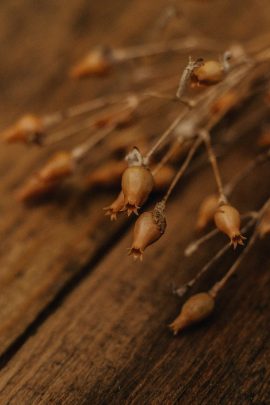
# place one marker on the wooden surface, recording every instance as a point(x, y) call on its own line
point(80, 323)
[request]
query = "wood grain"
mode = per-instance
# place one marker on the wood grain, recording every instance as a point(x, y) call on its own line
point(80, 322)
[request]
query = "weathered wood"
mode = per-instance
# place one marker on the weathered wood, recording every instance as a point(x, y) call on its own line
point(104, 337)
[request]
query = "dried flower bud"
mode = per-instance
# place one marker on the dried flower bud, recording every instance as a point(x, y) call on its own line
point(264, 224)
point(226, 102)
point(163, 177)
point(195, 309)
point(59, 166)
point(207, 211)
point(211, 72)
point(96, 63)
point(149, 227)
point(227, 220)
point(116, 207)
point(137, 184)
point(107, 175)
point(28, 129)
point(35, 187)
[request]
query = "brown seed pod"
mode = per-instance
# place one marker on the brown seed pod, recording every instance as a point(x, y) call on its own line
point(264, 139)
point(211, 72)
point(226, 102)
point(116, 207)
point(163, 177)
point(137, 184)
point(107, 175)
point(195, 309)
point(149, 227)
point(264, 224)
point(29, 129)
point(58, 167)
point(227, 220)
point(35, 187)
point(98, 62)
point(207, 211)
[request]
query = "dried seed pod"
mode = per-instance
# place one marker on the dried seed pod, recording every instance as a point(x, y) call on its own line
point(107, 175)
point(207, 211)
point(29, 129)
point(59, 166)
point(163, 177)
point(226, 102)
point(149, 227)
point(195, 309)
point(264, 224)
point(116, 207)
point(264, 139)
point(227, 220)
point(211, 72)
point(35, 187)
point(137, 184)
point(98, 62)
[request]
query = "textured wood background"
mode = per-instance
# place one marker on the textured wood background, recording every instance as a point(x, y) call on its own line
point(80, 323)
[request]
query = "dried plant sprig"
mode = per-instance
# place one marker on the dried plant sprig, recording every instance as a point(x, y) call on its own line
point(183, 289)
point(218, 286)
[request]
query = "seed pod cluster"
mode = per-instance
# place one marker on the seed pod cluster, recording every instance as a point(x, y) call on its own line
point(148, 228)
point(98, 62)
point(196, 308)
point(60, 166)
point(116, 207)
point(137, 184)
point(207, 211)
point(28, 129)
point(227, 220)
point(211, 72)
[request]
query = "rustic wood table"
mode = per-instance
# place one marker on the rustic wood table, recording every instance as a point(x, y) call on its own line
point(80, 323)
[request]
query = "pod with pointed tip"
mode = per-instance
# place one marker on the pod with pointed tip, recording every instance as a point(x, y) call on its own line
point(207, 211)
point(147, 230)
point(137, 184)
point(196, 308)
point(227, 220)
point(116, 206)
point(58, 167)
point(95, 63)
point(28, 129)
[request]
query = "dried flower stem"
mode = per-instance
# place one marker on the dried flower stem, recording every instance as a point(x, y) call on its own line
point(213, 160)
point(81, 150)
point(166, 157)
point(182, 169)
point(154, 49)
point(182, 290)
point(217, 287)
point(163, 137)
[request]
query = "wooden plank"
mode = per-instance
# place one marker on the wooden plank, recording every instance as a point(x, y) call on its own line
point(109, 341)
point(98, 342)
point(45, 246)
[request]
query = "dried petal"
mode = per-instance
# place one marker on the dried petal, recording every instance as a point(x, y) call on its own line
point(227, 220)
point(116, 207)
point(195, 309)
